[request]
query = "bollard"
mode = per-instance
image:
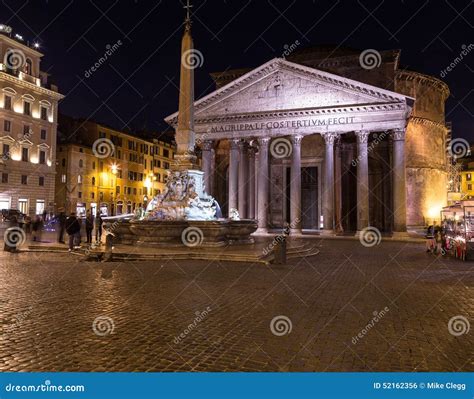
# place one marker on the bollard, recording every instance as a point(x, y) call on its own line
point(279, 251)
point(109, 242)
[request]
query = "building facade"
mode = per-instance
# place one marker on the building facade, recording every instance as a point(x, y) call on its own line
point(321, 142)
point(28, 127)
point(102, 169)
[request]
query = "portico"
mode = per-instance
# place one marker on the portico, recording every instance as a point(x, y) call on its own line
point(276, 132)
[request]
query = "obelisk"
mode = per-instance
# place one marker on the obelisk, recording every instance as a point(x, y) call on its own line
point(185, 156)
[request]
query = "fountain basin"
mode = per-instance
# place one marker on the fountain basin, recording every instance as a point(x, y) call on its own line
point(189, 233)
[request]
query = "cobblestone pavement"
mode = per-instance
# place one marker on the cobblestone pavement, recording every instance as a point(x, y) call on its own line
point(60, 313)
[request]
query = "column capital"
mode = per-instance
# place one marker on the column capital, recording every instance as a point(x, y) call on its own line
point(234, 144)
point(251, 150)
point(243, 144)
point(398, 134)
point(329, 137)
point(296, 139)
point(362, 136)
point(263, 141)
point(207, 145)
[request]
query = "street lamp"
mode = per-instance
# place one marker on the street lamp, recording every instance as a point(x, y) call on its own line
point(114, 169)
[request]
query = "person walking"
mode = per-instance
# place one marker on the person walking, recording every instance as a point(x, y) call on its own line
point(430, 239)
point(73, 229)
point(62, 226)
point(37, 226)
point(98, 228)
point(89, 226)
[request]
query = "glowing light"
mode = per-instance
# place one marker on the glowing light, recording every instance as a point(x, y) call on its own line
point(434, 212)
point(36, 45)
point(19, 37)
point(114, 168)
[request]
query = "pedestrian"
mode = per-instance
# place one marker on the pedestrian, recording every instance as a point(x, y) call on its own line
point(21, 221)
point(89, 226)
point(430, 235)
point(98, 228)
point(62, 226)
point(438, 240)
point(73, 229)
point(37, 227)
point(45, 214)
point(27, 225)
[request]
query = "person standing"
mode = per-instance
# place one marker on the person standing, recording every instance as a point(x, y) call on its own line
point(37, 226)
point(89, 226)
point(98, 228)
point(73, 229)
point(62, 226)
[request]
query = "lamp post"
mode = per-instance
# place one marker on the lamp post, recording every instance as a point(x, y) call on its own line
point(114, 170)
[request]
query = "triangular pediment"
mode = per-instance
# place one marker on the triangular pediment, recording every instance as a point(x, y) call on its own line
point(280, 85)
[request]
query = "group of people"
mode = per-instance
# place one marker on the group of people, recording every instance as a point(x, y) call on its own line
point(72, 226)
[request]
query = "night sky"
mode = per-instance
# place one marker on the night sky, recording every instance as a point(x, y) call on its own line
point(138, 85)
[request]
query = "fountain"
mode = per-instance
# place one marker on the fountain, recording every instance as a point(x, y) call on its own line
point(185, 214)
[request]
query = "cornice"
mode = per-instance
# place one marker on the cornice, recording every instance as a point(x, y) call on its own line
point(427, 122)
point(426, 79)
point(31, 86)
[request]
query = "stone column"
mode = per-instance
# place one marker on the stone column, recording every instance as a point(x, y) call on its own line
point(338, 186)
point(362, 180)
point(295, 186)
point(399, 190)
point(233, 173)
point(207, 147)
point(243, 179)
point(263, 184)
point(251, 183)
point(328, 193)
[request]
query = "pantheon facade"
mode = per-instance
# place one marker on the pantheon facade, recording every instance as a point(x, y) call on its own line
point(321, 143)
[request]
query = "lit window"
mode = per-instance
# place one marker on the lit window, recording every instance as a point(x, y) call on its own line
point(39, 207)
point(23, 205)
point(63, 178)
point(468, 176)
point(79, 179)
